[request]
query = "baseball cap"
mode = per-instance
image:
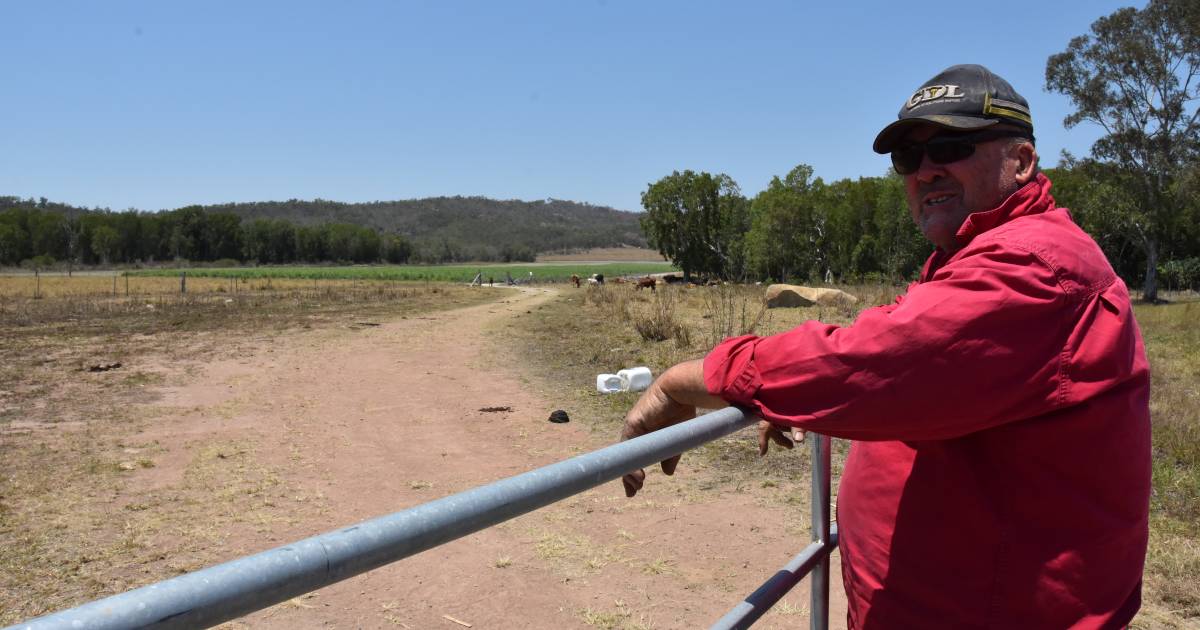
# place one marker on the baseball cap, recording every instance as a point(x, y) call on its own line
point(960, 98)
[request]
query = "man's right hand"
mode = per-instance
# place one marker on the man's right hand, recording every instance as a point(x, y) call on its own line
point(671, 399)
point(654, 410)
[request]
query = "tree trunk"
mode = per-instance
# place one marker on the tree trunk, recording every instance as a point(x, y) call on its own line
point(1150, 287)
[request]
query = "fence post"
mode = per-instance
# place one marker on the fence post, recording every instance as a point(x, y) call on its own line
point(819, 591)
point(37, 288)
point(183, 282)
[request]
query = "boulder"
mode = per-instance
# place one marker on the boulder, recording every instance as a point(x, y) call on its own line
point(792, 296)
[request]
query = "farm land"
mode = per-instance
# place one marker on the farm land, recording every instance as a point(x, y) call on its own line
point(157, 433)
point(541, 272)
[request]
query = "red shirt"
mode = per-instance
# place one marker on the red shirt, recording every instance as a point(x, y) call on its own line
point(1000, 471)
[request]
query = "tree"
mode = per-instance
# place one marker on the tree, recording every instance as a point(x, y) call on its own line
point(104, 242)
point(696, 220)
point(785, 234)
point(12, 243)
point(71, 232)
point(1137, 75)
point(222, 235)
point(397, 249)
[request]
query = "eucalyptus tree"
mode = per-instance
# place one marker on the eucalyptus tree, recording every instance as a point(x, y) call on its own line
point(1137, 76)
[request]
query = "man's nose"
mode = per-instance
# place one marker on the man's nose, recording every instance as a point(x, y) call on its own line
point(929, 170)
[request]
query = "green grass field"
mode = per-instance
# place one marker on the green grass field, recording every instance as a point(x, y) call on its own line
point(434, 273)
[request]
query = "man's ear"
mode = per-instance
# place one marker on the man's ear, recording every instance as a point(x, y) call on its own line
point(1026, 155)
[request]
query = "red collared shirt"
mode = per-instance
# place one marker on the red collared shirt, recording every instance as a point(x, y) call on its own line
point(1000, 471)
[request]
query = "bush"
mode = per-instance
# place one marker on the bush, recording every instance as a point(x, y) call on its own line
point(732, 311)
point(41, 261)
point(1180, 274)
point(661, 324)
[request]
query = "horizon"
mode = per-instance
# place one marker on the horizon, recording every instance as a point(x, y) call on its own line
point(138, 105)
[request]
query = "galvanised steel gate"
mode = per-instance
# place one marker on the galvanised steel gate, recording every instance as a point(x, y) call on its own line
point(238, 587)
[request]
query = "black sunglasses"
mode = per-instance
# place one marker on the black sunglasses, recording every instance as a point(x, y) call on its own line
point(946, 149)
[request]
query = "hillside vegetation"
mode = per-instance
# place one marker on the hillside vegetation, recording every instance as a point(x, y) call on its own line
point(542, 226)
point(437, 230)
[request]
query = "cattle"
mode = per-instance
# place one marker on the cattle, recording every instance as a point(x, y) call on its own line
point(575, 280)
point(647, 282)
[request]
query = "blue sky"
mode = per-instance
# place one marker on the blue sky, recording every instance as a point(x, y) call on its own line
point(155, 105)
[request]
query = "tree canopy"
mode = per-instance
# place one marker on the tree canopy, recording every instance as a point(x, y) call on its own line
point(696, 221)
point(1137, 76)
point(798, 229)
point(443, 229)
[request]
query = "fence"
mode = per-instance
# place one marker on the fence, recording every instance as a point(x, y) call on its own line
point(225, 591)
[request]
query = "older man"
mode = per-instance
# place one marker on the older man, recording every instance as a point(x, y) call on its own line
point(1000, 471)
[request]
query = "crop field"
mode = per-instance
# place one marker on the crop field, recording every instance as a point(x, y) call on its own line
point(541, 272)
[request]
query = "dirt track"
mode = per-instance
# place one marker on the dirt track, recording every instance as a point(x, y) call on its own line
point(355, 423)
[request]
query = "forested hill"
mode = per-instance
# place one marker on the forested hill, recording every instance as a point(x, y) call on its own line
point(434, 230)
point(465, 222)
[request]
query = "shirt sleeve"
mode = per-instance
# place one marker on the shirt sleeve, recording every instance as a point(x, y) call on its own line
point(977, 345)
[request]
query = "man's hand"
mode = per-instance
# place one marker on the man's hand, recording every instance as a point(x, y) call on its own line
point(781, 435)
point(654, 410)
point(670, 400)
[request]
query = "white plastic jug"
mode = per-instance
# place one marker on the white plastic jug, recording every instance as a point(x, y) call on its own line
point(636, 379)
point(609, 383)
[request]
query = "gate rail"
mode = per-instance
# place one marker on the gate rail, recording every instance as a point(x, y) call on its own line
point(222, 592)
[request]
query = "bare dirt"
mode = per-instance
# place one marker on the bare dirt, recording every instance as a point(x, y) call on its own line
point(329, 427)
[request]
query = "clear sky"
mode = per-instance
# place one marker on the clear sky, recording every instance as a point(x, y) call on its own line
point(155, 105)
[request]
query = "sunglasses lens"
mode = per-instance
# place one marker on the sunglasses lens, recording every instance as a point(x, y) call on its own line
point(908, 159)
point(948, 152)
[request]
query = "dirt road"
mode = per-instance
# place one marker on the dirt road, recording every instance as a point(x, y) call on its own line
point(346, 424)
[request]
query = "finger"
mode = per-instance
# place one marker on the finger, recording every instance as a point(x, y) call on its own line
point(798, 435)
point(668, 465)
point(780, 438)
point(764, 431)
point(633, 482)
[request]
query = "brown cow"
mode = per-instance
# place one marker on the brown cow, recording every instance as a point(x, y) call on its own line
point(646, 282)
point(575, 280)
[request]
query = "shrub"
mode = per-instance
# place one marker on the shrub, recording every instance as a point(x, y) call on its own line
point(731, 311)
point(1180, 274)
point(661, 324)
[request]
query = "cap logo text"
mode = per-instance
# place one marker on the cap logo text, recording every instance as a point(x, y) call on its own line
point(933, 93)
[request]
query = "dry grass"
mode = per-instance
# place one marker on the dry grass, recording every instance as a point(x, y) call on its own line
point(597, 330)
point(49, 286)
point(619, 618)
point(79, 517)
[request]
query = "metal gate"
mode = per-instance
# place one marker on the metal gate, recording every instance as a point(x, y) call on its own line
point(238, 587)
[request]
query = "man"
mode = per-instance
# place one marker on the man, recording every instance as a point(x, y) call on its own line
point(1000, 471)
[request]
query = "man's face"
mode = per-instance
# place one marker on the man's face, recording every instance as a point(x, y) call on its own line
point(940, 196)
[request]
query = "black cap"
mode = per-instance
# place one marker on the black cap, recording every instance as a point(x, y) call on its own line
point(961, 98)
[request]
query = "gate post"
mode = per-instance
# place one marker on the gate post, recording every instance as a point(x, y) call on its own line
point(819, 591)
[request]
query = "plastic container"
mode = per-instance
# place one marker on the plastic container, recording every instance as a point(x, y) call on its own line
point(609, 383)
point(636, 379)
